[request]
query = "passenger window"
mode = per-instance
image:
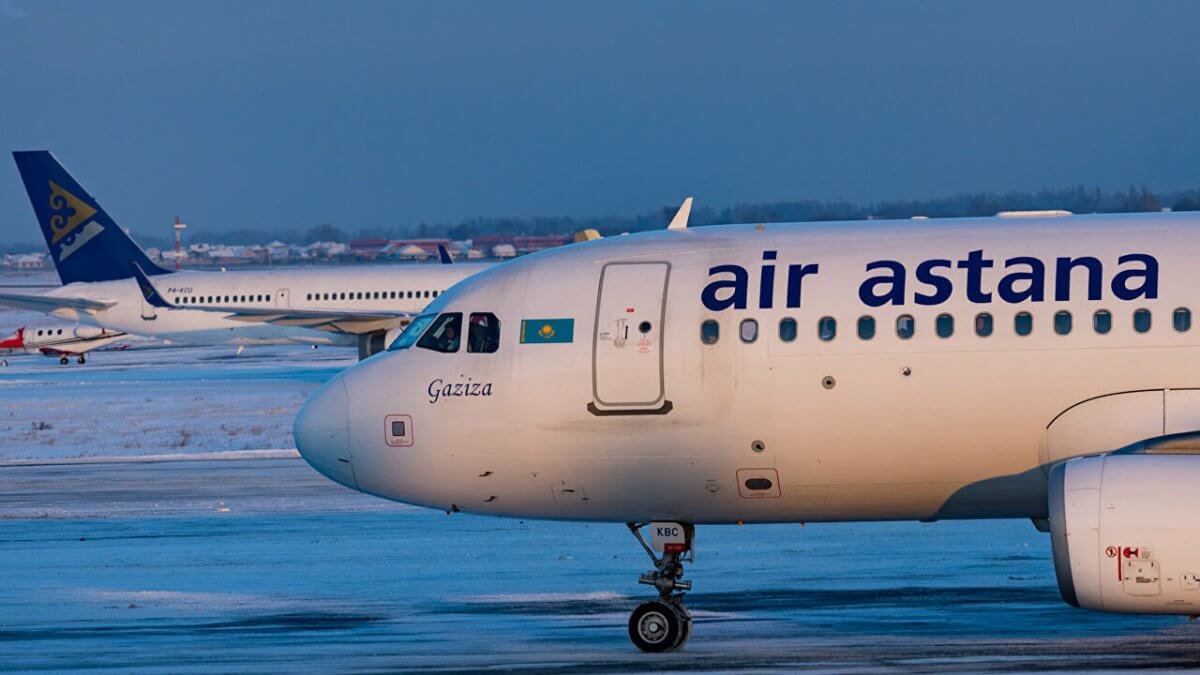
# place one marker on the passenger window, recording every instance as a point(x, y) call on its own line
point(944, 325)
point(827, 328)
point(905, 326)
point(1062, 322)
point(412, 332)
point(268, 297)
point(435, 294)
point(444, 334)
point(1023, 323)
point(710, 332)
point(1182, 319)
point(1102, 321)
point(787, 330)
point(427, 294)
point(483, 335)
point(866, 327)
point(748, 330)
point(983, 324)
point(1141, 320)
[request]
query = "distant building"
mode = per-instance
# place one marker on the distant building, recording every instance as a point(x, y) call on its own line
point(25, 261)
point(367, 249)
point(326, 249)
point(540, 242)
point(169, 256)
point(413, 249)
point(277, 251)
point(507, 246)
point(222, 255)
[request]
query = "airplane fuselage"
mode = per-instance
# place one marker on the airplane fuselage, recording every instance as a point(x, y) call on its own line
point(850, 377)
point(399, 287)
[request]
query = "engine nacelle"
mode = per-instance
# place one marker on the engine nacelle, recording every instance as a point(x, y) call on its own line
point(86, 332)
point(1126, 534)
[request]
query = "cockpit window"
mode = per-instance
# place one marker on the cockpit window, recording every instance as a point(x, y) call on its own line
point(483, 334)
point(444, 335)
point(412, 332)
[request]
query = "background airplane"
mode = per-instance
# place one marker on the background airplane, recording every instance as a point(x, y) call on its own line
point(61, 341)
point(1041, 367)
point(96, 261)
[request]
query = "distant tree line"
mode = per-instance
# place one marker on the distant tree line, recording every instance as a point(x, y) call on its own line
point(1078, 199)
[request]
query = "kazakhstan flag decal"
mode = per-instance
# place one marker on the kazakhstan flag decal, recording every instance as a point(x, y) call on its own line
point(536, 331)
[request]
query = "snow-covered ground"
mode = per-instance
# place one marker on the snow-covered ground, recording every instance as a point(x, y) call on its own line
point(261, 565)
point(156, 400)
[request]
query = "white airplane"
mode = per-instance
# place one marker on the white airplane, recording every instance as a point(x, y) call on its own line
point(98, 262)
point(61, 341)
point(1042, 368)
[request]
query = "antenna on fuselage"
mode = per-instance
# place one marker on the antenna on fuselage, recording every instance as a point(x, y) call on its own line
point(680, 221)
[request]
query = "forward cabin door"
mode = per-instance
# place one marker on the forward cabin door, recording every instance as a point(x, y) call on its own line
point(282, 298)
point(627, 347)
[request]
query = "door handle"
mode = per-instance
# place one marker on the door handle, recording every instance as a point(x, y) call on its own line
point(622, 333)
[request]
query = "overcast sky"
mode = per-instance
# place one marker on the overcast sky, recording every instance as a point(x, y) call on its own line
point(265, 114)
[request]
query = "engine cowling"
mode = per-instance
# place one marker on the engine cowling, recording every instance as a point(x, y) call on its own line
point(1125, 532)
point(86, 332)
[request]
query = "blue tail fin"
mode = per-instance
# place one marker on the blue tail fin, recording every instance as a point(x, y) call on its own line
point(84, 241)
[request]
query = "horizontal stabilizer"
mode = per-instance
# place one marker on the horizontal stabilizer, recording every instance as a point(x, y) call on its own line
point(48, 303)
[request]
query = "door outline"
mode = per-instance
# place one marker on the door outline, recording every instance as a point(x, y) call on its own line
point(283, 299)
point(662, 323)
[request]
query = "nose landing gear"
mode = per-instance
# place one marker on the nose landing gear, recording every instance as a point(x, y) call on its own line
point(664, 624)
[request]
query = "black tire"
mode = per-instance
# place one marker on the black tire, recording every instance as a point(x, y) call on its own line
point(686, 633)
point(656, 626)
point(63, 361)
point(81, 360)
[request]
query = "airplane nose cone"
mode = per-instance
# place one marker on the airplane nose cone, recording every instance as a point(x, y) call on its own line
point(322, 431)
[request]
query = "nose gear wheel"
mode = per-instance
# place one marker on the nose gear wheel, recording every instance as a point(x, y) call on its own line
point(663, 624)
